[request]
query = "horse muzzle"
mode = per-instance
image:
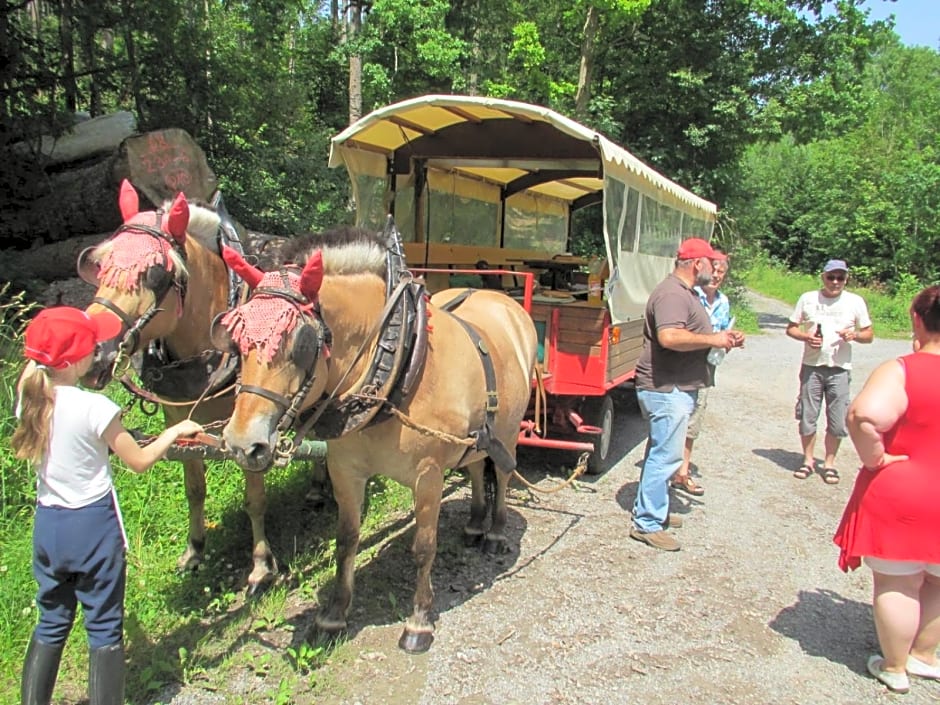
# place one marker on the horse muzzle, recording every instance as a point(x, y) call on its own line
point(99, 374)
point(251, 455)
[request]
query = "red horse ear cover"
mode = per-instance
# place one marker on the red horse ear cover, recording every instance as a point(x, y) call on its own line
point(312, 276)
point(177, 219)
point(237, 264)
point(128, 201)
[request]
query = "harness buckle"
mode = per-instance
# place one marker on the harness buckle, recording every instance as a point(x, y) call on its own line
point(492, 401)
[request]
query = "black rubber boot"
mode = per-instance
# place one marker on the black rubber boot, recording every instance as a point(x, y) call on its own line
point(106, 675)
point(40, 669)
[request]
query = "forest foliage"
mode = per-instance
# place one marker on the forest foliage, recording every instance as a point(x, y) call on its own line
point(810, 125)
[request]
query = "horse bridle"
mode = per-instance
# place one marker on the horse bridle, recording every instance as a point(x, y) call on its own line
point(289, 407)
point(131, 338)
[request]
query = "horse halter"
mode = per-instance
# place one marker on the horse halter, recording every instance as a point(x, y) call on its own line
point(311, 337)
point(159, 285)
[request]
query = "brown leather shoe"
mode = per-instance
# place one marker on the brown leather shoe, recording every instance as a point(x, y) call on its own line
point(674, 521)
point(662, 540)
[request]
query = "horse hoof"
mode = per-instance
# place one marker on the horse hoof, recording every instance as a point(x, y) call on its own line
point(495, 546)
point(321, 637)
point(471, 540)
point(415, 642)
point(257, 589)
point(188, 563)
point(328, 628)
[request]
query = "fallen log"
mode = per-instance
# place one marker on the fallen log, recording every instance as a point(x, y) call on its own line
point(87, 139)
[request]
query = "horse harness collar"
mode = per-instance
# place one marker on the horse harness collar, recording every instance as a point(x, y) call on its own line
point(398, 358)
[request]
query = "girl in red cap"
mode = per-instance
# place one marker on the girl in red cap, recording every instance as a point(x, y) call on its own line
point(78, 536)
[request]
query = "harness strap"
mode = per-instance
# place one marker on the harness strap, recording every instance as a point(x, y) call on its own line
point(115, 309)
point(309, 420)
point(279, 400)
point(484, 438)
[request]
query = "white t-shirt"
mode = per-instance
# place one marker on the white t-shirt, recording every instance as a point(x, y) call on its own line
point(76, 471)
point(834, 314)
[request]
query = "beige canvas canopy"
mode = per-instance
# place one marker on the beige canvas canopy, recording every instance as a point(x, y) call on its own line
point(517, 171)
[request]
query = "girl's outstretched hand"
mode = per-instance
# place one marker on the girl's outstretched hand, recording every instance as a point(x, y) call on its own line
point(187, 427)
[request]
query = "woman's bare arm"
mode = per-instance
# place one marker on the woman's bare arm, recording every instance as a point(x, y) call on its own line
point(875, 411)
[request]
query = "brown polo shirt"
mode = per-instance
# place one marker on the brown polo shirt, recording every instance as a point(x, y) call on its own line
point(672, 305)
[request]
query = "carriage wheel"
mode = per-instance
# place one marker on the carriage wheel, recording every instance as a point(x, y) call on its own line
point(599, 411)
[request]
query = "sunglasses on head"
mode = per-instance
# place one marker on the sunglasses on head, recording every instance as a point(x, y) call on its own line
point(835, 277)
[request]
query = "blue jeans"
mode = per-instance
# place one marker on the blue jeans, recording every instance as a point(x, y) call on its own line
point(668, 414)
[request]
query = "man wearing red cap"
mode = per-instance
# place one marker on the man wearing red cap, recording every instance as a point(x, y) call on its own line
point(677, 336)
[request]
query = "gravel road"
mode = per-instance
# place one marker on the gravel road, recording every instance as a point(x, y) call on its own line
point(753, 609)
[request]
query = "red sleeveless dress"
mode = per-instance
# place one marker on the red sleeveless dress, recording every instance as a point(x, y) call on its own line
point(894, 513)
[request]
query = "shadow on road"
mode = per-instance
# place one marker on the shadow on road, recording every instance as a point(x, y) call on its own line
point(786, 459)
point(828, 625)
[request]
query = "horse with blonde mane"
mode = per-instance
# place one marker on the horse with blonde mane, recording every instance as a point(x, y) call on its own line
point(162, 274)
point(328, 349)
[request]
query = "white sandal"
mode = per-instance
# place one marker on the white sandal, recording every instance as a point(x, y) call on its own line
point(918, 668)
point(895, 682)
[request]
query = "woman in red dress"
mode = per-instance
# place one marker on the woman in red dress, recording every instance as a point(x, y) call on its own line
point(892, 520)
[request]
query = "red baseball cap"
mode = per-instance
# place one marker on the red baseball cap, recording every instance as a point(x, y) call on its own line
point(696, 247)
point(60, 336)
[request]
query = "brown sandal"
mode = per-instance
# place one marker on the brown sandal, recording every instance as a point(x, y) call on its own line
point(830, 476)
point(804, 471)
point(687, 485)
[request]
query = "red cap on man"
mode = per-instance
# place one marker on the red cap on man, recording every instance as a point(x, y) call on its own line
point(62, 335)
point(695, 247)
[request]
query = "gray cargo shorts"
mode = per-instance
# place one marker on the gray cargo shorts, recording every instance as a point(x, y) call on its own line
point(816, 384)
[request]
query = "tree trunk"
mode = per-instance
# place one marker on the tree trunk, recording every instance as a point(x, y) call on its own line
point(586, 72)
point(87, 139)
point(355, 62)
point(47, 262)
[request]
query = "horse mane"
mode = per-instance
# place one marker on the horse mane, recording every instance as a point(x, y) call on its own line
point(204, 224)
point(346, 250)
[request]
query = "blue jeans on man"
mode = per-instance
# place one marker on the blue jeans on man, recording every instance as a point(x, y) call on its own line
point(668, 414)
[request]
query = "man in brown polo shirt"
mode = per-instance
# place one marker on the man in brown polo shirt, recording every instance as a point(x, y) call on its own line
point(677, 336)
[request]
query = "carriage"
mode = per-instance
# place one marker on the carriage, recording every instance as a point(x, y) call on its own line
point(485, 193)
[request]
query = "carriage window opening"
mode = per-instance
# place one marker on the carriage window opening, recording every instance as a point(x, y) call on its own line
point(535, 223)
point(404, 208)
point(621, 204)
point(369, 194)
point(660, 228)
